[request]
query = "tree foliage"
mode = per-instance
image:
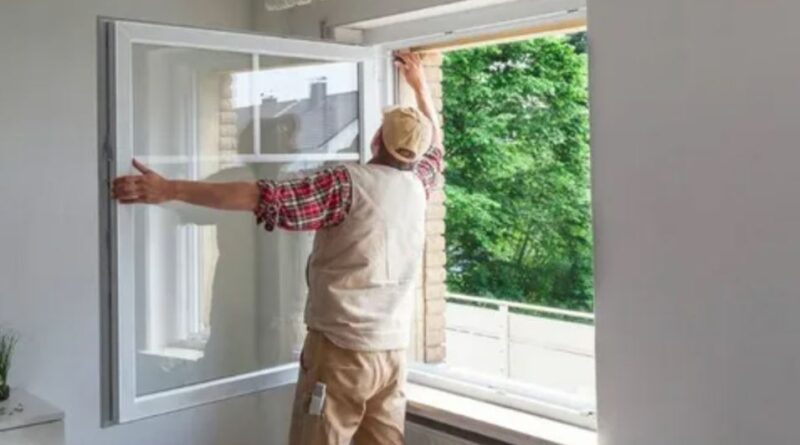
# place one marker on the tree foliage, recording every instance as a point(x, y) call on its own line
point(518, 202)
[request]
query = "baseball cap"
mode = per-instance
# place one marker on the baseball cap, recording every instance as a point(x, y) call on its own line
point(407, 133)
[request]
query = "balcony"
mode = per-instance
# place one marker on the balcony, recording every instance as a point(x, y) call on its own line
point(535, 347)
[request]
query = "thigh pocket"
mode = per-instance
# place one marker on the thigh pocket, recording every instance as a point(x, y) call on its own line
point(309, 366)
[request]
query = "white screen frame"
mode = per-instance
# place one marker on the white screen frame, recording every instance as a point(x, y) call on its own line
point(124, 405)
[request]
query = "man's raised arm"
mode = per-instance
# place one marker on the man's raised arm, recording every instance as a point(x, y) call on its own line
point(410, 65)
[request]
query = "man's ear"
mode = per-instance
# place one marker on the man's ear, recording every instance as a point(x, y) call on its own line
point(406, 153)
point(377, 142)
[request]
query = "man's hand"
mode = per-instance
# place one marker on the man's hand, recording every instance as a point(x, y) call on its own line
point(410, 64)
point(149, 187)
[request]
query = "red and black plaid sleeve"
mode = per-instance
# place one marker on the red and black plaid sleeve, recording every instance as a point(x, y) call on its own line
point(310, 203)
point(429, 167)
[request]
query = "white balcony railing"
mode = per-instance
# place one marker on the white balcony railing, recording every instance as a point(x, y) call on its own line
point(522, 342)
point(504, 305)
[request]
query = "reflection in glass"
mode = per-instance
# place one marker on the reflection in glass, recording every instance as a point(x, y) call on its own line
point(183, 102)
point(216, 296)
point(304, 107)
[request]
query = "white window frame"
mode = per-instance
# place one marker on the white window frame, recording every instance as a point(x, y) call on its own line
point(536, 400)
point(118, 37)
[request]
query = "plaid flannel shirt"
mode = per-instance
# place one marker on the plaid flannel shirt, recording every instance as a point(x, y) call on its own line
point(323, 199)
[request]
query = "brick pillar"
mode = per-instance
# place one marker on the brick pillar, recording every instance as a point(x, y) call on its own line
point(430, 318)
point(434, 279)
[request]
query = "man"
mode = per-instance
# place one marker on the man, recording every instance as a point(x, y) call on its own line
point(370, 223)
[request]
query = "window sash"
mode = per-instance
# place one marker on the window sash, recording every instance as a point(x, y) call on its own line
point(118, 40)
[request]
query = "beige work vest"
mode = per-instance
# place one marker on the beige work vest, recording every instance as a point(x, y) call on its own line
point(362, 274)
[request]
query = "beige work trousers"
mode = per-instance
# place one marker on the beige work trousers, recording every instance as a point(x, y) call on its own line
point(364, 402)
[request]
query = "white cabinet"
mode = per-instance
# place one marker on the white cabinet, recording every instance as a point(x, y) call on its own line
point(28, 420)
point(51, 433)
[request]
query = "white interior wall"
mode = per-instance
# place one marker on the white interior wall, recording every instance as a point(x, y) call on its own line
point(49, 279)
point(694, 121)
point(695, 157)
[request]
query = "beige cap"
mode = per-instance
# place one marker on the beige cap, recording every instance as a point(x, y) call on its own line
point(407, 133)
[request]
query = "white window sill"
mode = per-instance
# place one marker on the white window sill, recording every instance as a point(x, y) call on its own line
point(175, 353)
point(486, 419)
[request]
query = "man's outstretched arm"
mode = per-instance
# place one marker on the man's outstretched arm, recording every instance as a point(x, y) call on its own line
point(309, 203)
point(152, 188)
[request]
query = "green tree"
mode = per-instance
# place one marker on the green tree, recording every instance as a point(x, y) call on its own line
point(518, 202)
point(579, 42)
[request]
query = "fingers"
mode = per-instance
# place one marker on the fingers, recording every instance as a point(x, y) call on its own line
point(141, 167)
point(148, 189)
point(133, 188)
point(127, 189)
point(125, 182)
point(408, 59)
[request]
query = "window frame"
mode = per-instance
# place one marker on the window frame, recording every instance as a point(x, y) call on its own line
point(117, 37)
point(531, 399)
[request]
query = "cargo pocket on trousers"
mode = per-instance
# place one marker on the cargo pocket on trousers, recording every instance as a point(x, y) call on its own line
point(308, 428)
point(312, 428)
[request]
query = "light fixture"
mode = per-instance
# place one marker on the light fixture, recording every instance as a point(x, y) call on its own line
point(280, 5)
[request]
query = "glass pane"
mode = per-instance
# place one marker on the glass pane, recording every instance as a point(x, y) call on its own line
point(216, 295)
point(307, 106)
point(185, 102)
point(190, 102)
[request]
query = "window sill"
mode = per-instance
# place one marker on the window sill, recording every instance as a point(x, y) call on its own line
point(504, 424)
point(175, 353)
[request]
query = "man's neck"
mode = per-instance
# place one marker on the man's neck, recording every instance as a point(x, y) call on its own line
point(388, 161)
